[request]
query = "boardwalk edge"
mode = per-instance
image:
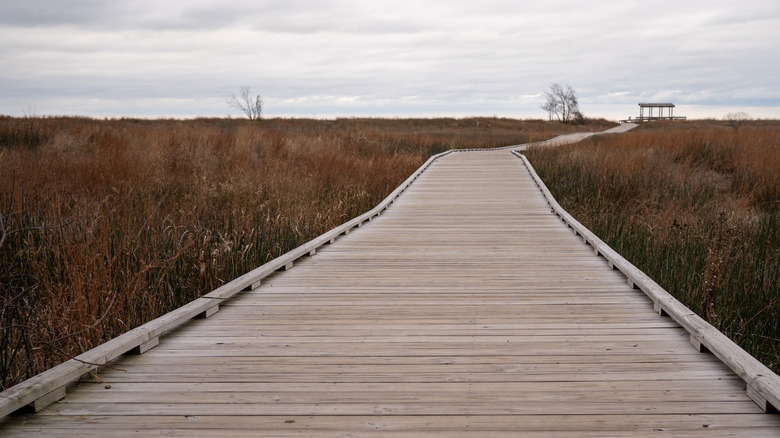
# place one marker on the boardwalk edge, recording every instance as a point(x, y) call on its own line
point(763, 385)
point(49, 386)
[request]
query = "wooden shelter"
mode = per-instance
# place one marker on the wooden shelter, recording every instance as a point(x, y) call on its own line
point(663, 111)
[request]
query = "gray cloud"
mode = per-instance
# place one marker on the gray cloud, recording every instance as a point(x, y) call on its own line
point(389, 57)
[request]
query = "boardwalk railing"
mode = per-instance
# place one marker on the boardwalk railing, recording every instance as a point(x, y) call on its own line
point(763, 385)
point(48, 387)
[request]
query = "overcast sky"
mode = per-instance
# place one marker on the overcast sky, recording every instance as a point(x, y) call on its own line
point(329, 58)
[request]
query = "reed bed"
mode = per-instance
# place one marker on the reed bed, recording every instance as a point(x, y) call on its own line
point(107, 224)
point(694, 205)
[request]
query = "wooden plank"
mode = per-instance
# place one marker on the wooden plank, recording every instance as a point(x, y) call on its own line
point(450, 408)
point(501, 372)
point(247, 359)
point(717, 390)
point(402, 379)
point(232, 431)
point(669, 425)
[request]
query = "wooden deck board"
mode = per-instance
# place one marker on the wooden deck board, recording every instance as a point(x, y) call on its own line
point(465, 309)
point(641, 425)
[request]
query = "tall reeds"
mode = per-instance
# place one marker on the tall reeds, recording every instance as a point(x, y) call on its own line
point(105, 225)
point(696, 206)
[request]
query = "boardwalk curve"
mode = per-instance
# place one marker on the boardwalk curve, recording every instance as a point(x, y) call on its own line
point(468, 308)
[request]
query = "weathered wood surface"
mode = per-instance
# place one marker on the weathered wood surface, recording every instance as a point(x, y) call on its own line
point(466, 309)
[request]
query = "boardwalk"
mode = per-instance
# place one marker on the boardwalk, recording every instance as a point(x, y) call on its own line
point(466, 309)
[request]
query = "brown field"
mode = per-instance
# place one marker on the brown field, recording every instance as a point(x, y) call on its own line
point(107, 224)
point(694, 205)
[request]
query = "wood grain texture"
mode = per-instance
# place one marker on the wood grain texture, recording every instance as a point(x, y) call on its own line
point(468, 308)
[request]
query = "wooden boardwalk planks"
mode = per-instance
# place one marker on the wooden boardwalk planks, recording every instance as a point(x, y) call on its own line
point(466, 309)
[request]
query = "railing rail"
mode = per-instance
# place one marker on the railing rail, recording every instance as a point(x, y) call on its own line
point(763, 385)
point(49, 386)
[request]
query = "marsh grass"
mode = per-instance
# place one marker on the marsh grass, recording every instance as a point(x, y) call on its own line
point(108, 224)
point(694, 205)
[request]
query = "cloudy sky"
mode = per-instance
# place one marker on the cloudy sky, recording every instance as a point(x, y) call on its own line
point(328, 58)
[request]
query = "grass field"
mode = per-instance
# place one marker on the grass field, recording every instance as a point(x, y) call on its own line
point(694, 205)
point(107, 224)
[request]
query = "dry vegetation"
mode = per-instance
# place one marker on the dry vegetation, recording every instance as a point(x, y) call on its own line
point(105, 225)
point(694, 205)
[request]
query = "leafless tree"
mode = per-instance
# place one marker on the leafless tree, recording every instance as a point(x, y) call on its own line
point(244, 102)
point(735, 120)
point(562, 103)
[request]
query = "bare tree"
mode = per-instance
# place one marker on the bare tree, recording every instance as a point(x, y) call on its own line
point(251, 107)
point(735, 120)
point(551, 106)
point(562, 103)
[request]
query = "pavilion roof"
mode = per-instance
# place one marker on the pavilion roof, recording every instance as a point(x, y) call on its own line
point(657, 105)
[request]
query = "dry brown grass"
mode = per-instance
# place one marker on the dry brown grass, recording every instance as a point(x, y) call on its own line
point(109, 224)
